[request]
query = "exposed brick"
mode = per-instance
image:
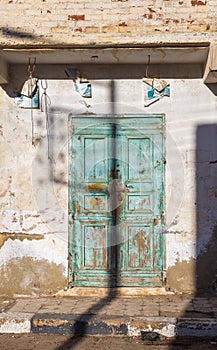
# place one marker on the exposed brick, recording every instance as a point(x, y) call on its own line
point(93, 17)
point(91, 30)
point(76, 17)
point(109, 29)
point(79, 29)
point(126, 29)
point(197, 28)
point(47, 19)
point(198, 3)
point(151, 10)
point(149, 16)
point(57, 29)
point(122, 24)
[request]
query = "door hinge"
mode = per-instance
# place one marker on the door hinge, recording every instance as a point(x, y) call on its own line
point(71, 218)
point(163, 218)
point(71, 278)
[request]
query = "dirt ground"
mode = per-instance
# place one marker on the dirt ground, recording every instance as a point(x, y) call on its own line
point(62, 342)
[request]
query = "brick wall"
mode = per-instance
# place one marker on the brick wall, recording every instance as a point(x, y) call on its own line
point(59, 22)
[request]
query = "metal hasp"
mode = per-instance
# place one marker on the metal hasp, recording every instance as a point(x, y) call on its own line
point(116, 197)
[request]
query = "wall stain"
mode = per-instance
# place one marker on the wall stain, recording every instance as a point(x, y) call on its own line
point(181, 277)
point(4, 192)
point(4, 236)
point(28, 276)
point(114, 53)
point(206, 274)
point(198, 276)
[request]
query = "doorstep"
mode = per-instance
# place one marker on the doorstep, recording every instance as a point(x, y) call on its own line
point(148, 316)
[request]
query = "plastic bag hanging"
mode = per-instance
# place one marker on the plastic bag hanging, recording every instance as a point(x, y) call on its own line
point(30, 86)
point(81, 84)
point(28, 97)
point(154, 88)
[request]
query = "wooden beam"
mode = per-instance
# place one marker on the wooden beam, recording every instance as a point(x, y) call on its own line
point(210, 72)
point(3, 71)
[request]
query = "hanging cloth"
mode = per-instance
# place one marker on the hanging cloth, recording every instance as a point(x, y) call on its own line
point(157, 84)
point(154, 88)
point(30, 86)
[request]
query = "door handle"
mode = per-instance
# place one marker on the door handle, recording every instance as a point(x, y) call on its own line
point(129, 186)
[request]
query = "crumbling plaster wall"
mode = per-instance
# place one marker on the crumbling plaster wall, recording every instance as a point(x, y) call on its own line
point(34, 177)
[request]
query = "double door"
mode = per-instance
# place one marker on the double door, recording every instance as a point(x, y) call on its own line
point(116, 200)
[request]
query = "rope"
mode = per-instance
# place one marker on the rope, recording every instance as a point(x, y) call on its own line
point(45, 103)
point(32, 123)
point(147, 66)
point(31, 69)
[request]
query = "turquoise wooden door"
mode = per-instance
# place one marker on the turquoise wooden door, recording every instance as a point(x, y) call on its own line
point(116, 200)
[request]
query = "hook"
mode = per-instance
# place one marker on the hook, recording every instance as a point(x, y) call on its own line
point(44, 85)
point(45, 99)
point(31, 66)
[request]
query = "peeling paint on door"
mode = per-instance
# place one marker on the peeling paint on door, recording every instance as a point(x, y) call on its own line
point(117, 175)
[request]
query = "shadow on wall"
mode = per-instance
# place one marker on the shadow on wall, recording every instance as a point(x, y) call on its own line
point(83, 322)
point(206, 225)
point(206, 206)
point(15, 33)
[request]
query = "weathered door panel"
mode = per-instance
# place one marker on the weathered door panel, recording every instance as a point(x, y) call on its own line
point(117, 200)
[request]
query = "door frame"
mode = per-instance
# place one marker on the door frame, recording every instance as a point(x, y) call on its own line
point(70, 186)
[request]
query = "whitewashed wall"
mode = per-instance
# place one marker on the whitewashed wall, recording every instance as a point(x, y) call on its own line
point(34, 189)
